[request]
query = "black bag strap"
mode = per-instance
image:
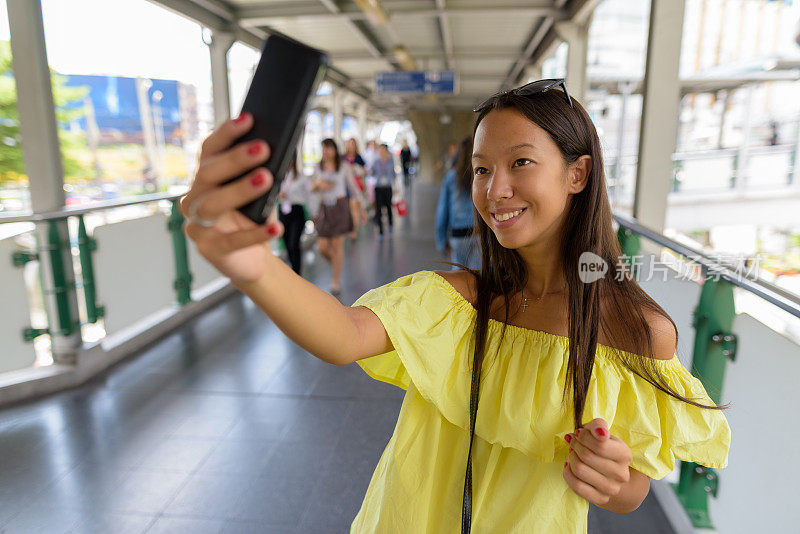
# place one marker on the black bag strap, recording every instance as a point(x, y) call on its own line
point(466, 513)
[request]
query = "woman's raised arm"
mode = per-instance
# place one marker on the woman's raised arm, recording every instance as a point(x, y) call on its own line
point(239, 249)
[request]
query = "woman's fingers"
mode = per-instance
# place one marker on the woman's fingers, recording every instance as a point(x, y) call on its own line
point(215, 170)
point(225, 243)
point(230, 196)
point(224, 136)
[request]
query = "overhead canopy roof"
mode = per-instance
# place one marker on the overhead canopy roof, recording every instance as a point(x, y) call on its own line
point(488, 44)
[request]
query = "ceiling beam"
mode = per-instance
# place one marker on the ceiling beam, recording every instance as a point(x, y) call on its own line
point(538, 32)
point(444, 35)
point(367, 40)
point(218, 16)
point(577, 11)
point(257, 14)
point(436, 53)
point(197, 13)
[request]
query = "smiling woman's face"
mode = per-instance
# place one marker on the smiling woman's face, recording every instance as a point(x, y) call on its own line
point(520, 176)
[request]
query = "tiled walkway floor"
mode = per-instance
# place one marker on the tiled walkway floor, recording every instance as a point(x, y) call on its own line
point(225, 426)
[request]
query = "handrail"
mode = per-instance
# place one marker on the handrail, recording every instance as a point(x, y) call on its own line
point(103, 205)
point(770, 292)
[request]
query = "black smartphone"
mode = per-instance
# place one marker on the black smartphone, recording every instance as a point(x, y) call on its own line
point(286, 78)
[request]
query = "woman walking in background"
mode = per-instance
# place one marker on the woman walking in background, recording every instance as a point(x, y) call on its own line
point(332, 179)
point(384, 173)
point(294, 192)
point(455, 215)
point(357, 209)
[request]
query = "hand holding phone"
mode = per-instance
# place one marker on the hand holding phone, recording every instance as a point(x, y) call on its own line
point(242, 162)
point(286, 78)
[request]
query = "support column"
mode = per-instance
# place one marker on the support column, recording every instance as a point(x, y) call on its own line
point(362, 124)
point(42, 156)
point(722, 117)
point(743, 154)
point(153, 171)
point(221, 42)
point(338, 116)
point(625, 93)
point(795, 170)
point(433, 137)
point(660, 108)
point(576, 36)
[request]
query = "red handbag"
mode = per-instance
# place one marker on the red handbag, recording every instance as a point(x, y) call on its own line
point(402, 207)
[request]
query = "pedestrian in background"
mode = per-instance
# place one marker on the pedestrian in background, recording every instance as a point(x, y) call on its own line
point(406, 159)
point(332, 178)
point(357, 209)
point(383, 171)
point(455, 215)
point(294, 192)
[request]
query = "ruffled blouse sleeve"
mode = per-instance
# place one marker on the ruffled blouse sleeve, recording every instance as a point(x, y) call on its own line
point(657, 427)
point(425, 331)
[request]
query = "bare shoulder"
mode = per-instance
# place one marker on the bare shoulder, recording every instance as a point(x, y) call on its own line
point(662, 333)
point(463, 282)
point(665, 338)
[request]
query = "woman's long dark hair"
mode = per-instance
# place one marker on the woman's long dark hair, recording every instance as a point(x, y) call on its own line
point(337, 159)
point(464, 165)
point(587, 228)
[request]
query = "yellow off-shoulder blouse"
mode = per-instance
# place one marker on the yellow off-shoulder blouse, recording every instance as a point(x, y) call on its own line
point(519, 449)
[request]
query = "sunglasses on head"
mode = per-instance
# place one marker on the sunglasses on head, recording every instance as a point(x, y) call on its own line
point(530, 89)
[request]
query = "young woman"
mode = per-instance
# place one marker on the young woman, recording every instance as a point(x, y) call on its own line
point(550, 392)
point(455, 213)
point(295, 189)
point(332, 179)
point(357, 209)
point(383, 171)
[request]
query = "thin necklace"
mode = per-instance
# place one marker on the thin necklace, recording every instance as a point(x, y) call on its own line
point(536, 299)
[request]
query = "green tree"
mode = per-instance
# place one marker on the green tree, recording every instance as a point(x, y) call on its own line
point(12, 166)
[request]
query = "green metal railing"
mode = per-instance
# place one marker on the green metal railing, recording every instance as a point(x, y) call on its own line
point(58, 248)
point(714, 344)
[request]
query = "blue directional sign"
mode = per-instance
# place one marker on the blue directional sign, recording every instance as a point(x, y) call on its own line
point(415, 81)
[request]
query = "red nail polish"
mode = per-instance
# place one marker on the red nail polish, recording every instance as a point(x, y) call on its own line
point(255, 149)
point(570, 449)
point(272, 229)
point(568, 437)
point(577, 432)
point(258, 179)
point(565, 464)
point(241, 118)
point(601, 432)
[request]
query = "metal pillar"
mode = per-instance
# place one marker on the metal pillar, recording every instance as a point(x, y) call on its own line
point(338, 116)
point(220, 43)
point(795, 168)
point(576, 36)
point(625, 93)
point(722, 117)
point(660, 107)
point(42, 156)
point(362, 124)
point(152, 168)
point(743, 154)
